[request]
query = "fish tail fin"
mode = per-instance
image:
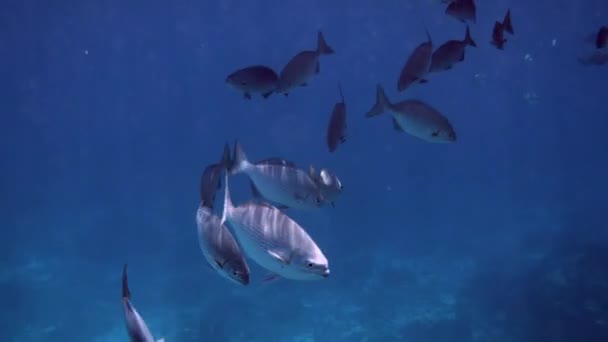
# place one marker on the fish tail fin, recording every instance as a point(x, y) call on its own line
point(322, 47)
point(126, 294)
point(381, 103)
point(239, 160)
point(506, 23)
point(468, 39)
point(228, 206)
point(226, 160)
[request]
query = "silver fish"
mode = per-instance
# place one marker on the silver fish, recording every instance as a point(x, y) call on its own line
point(257, 79)
point(282, 184)
point(136, 327)
point(219, 247)
point(417, 65)
point(336, 130)
point(302, 67)
point(211, 179)
point(274, 241)
point(450, 53)
point(330, 185)
point(415, 117)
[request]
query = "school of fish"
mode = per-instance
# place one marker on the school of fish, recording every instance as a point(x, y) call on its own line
point(261, 230)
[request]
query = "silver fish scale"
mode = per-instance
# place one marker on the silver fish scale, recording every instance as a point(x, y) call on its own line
point(294, 182)
point(271, 228)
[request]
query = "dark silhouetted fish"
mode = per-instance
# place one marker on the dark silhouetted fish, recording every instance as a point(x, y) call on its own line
point(257, 79)
point(417, 65)
point(416, 118)
point(302, 67)
point(336, 131)
point(211, 179)
point(450, 53)
point(463, 10)
point(506, 23)
point(498, 33)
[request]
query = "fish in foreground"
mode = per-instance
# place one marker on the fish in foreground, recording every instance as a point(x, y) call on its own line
point(498, 37)
point(417, 65)
point(450, 53)
point(302, 67)
point(219, 247)
point(136, 327)
point(463, 10)
point(336, 130)
point(286, 185)
point(274, 241)
point(330, 185)
point(211, 179)
point(416, 118)
point(597, 57)
point(257, 79)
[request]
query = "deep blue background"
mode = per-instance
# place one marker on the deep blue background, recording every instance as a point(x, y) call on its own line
point(111, 110)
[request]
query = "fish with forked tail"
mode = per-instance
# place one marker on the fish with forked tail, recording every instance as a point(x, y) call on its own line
point(498, 36)
point(274, 240)
point(302, 67)
point(136, 327)
point(415, 117)
point(450, 53)
point(280, 183)
point(417, 65)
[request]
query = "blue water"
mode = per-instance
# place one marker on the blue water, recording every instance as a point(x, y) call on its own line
point(111, 110)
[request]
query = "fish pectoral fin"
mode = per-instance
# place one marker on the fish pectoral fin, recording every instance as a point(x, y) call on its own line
point(270, 278)
point(161, 340)
point(333, 205)
point(317, 68)
point(461, 57)
point(397, 126)
point(422, 80)
point(282, 257)
point(219, 263)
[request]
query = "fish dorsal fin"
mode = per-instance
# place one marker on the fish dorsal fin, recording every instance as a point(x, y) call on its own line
point(126, 293)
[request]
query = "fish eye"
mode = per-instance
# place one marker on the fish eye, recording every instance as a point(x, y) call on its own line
point(234, 273)
point(310, 264)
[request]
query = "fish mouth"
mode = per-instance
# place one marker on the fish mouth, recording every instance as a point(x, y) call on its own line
point(326, 273)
